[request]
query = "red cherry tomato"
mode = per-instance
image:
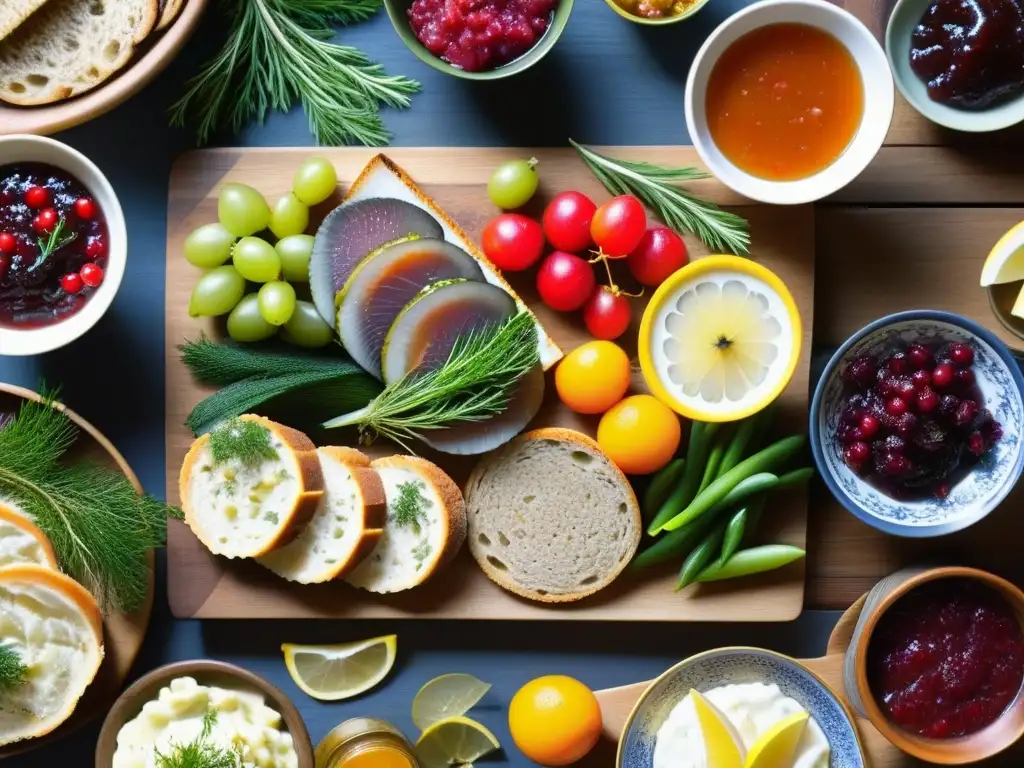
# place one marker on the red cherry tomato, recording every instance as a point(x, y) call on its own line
point(7, 242)
point(660, 253)
point(85, 208)
point(567, 221)
point(91, 274)
point(618, 226)
point(607, 314)
point(564, 281)
point(36, 197)
point(513, 242)
point(45, 220)
point(95, 248)
point(71, 283)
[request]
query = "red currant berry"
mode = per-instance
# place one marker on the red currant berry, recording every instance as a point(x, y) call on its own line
point(897, 406)
point(897, 364)
point(91, 274)
point(85, 208)
point(71, 283)
point(927, 400)
point(36, 197)
point(965, 377)
point(921, 379)
point(942, 376)
point(857, 453)
point(919, 356)
point(868, 425)
point(95, 248)
point(961, 354)
point(7, 242)
point(45, 221)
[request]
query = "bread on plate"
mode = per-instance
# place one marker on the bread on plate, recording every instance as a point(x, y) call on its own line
point(22, 541)
point(14, 12)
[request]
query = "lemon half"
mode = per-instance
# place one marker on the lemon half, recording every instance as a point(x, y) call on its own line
point(1005, 262)
point(454, 741)
point(335, 672)
point(720, 339)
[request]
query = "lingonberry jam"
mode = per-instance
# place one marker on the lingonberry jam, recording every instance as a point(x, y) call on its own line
point(946, 659)
point(53, 245)
point(478, 35)
point(914, 422)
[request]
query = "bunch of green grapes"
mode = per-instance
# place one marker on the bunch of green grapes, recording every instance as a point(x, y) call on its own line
point(243, 214)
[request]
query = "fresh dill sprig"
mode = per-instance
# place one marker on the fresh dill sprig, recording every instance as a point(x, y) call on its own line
point(199, 753)
point(247, 442)
point(100, 528)
point(12, 672)
point(53, 243)
point(658, 188)
point(474, 384)
point(409, 511)
point(278, 53)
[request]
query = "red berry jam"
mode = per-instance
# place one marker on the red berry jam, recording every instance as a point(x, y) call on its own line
point(920, 413)
point(946, 659)
point(36, 199)
point(477, 35)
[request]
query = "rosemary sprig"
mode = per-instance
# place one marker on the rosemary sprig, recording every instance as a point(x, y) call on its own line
point(658, 188)
point(199, 753)
point(474, 384)
point(53, 243)
point(278, 53)
point(12, 672)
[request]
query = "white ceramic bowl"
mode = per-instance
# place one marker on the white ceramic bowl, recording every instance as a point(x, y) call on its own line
point(875, 79)
point(38, 149)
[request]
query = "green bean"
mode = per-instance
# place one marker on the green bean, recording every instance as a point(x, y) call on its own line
point(734, 530)
point(714, 460)
point(671, 545)
point(700, 557)
point(747, 562)
point(794, 478)
point(763, 461)
point(738, 444)
point(701, 435)
point(660, 487)
point(759, 483)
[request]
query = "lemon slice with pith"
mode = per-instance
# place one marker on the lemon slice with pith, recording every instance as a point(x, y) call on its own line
point(720, 339)
point(777, 747)
point(722, 742)
point(1005, 262)
point(335, 672)
point(455, 741)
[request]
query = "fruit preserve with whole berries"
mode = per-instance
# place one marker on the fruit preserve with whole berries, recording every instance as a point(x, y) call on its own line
point(913, 421)
point(53, 245)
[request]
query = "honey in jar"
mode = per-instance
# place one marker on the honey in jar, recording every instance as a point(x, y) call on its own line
point(365, 742)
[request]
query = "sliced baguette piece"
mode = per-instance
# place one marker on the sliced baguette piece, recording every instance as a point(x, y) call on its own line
point(70, 46)
point(56, 628)
point(169, 10)
point(348, 523)
point(410, 553)
point(14, 12)
point(22, 541)
point(551, 518)
point(244, 510)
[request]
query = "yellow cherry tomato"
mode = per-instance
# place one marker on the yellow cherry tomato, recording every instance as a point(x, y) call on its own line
point(593, 377)
point(554, 720)
point(640, 434)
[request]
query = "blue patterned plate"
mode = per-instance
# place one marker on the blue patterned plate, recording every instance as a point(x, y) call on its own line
point(726, 666)
point(999, 379)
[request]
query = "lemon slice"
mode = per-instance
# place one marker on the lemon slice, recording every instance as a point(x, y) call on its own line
point(777, 746)
point(446, 696)
point(720, 339)
point(722, 742)
point(1005, 262)
point(335, 672)
point(454, 741)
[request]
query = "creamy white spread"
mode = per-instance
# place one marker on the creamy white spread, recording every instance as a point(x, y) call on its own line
point(752, 708)
point(243, 723)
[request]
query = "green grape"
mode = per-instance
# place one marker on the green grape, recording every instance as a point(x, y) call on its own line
point(295, 252)
point(277, 302)
point(209, 246)
point(513, 183)
point(217, 292)
point(315, 180)
point(242, 210)
point(305, 328)
point(289, 217)
point(245, 323)
point(257, 260)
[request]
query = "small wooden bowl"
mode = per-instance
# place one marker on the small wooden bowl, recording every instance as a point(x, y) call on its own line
point(205, 672)
point(986, 743)
point(154, 56)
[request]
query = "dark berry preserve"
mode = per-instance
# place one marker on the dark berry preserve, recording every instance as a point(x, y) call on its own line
point(946, 659)
point(53, 245)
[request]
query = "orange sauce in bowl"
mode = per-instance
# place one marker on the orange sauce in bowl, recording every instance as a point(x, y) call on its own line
point(784, 101)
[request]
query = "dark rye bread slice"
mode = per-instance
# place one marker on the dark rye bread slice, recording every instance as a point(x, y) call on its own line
point(551, 518)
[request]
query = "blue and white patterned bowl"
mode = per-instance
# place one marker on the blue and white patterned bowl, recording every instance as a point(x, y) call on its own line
point(727, 666)
point(999, 379)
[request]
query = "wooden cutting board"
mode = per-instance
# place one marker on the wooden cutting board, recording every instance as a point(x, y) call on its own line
point(203, 586)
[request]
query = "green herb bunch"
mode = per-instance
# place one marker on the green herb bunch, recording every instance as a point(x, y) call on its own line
point(278, 53)
point(12, 672)
point(200, 753)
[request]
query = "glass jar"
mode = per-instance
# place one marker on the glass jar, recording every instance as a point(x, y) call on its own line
point(365, 742)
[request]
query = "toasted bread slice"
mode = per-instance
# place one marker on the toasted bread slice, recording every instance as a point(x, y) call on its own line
point(240, 508)
point(169, 10)
point(551, 518)
point(348, 523)
point(55, 627)
point(426, 526)
point(14, 12)
point(22, 541)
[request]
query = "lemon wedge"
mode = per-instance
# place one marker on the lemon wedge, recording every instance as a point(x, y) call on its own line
point(722, 742)
point(1005, 262)
point(720, 339)
point(335, 672)
point(454, 741)
point(777, 747)
point(446, 696)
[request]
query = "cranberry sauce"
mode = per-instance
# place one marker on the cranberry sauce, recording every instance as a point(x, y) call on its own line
point(53, 245)
point(477, 35)
point(970, 53)
point(946, 659)
point(913, 422)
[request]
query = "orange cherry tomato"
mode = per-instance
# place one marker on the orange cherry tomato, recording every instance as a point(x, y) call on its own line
point(554, 720)
point(640, 434)
point(593, 377)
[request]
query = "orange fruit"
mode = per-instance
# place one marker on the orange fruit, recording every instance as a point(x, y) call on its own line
point(593, 377)
point(640, 434)
point(554, 720)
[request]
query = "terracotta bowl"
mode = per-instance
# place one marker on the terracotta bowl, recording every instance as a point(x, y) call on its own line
point(205, 672)
point(990, 741)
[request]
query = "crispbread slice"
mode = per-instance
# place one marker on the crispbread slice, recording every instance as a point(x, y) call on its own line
point(551, 518)
point(21, 541)
point(14, 12)
point(70, 46)
point(348, 523)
